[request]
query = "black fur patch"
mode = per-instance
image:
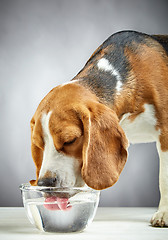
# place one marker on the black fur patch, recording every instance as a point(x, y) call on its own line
point(163, 40)
point(103, 83)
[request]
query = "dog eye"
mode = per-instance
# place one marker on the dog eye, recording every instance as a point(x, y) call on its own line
point(69, 142)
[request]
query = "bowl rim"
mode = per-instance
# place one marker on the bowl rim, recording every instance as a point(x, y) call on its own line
point(28, 187)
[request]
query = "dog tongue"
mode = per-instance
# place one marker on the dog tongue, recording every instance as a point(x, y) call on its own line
point(51, 206)
point(60, 205)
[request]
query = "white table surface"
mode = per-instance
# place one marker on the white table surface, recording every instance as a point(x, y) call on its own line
point(109, 223)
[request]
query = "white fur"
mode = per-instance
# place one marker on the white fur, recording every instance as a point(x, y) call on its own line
point(69, 82)
point(65, 168)
point(142, 128)
point(161, 216)
point(103, 64)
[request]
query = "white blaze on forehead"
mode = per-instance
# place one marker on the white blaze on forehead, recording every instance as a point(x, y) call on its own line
point(103, 64)
point(64, 167)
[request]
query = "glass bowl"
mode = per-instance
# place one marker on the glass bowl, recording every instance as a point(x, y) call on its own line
point(53, 209)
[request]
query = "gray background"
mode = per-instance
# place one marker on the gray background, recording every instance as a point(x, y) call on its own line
point(45, 43)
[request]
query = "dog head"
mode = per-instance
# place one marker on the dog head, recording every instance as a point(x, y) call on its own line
point(76, 140)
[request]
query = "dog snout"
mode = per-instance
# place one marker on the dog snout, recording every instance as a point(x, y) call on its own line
point(49, 182)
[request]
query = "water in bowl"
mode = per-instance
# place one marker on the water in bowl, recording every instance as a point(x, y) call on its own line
point(80, 214)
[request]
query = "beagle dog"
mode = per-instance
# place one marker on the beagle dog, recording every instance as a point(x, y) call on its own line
point(81, 130)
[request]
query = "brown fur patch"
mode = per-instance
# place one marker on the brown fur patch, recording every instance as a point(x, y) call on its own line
point(147, 83)
point(104, 148)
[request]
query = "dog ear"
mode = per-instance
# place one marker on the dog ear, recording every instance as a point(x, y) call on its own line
point(104, 148)
point(37, 147)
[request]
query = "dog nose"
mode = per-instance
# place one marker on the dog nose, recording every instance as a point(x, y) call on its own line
point(48, 182)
